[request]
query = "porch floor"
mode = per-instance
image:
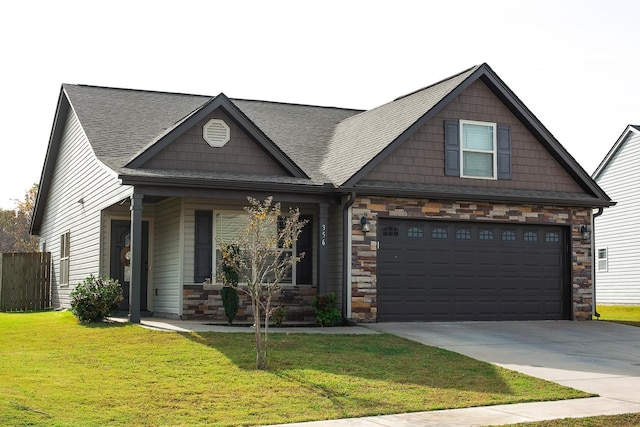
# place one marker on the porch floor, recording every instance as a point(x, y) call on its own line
point(177, 325)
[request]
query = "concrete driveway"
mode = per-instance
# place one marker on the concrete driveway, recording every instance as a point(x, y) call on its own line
point(593, 356)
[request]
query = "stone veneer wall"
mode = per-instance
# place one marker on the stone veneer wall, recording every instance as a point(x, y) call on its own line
point(363, 257)
point(203, 301)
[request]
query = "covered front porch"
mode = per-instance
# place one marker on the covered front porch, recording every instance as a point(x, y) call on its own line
point(170, 262)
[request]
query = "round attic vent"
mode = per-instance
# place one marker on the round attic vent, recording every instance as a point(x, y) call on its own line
point(216, 133)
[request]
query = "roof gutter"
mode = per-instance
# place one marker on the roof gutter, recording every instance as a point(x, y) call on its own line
point(489, 198)
point(223, 184)
point(593, 264)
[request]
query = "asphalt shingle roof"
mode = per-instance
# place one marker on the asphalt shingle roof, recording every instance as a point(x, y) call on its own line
point(301, 131)
point(358, 139)
point(329, 145)
point(121, 122)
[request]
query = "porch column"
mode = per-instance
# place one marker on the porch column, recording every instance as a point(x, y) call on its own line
point(323, 252)
point(136, 258)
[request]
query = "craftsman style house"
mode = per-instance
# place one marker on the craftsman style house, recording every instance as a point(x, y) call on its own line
point(450, 203)
point(616, 239)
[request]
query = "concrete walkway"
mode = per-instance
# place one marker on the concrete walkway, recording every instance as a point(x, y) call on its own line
point(596, 357)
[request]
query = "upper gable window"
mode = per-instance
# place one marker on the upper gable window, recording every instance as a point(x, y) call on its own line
point(478, 149)
point(216, 133)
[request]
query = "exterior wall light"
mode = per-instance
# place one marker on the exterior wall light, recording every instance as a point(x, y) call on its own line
point(365, 224)
point(584, 230)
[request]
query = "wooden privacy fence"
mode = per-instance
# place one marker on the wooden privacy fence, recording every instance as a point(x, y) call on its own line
point(25, 282)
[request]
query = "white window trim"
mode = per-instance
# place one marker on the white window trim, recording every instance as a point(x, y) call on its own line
point(214, 265)
point(65, 257)
point(605, 259)
point(493, 152)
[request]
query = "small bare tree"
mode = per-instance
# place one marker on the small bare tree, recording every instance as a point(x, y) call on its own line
point(263, 260)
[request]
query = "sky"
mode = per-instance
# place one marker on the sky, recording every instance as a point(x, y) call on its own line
point(574, 64)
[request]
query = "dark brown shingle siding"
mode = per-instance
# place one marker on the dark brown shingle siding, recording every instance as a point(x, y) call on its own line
point(240, 155)
point(421, 158)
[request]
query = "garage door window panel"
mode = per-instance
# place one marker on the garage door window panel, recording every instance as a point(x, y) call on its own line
point(415, 232)
point(485, 235)
point(463, 234)
point(390, 231)
point(509, 236)
point(530, 236)
point(439, 233)
point(552, 238)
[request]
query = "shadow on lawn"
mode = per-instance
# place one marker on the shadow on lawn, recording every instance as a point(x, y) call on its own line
point(379, 357)
point(625, 322)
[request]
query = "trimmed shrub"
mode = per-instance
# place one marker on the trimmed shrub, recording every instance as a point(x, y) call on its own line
point(229, 291)
point(326, 312)
point(95, 299)
point(278, 316)
point(230, 302)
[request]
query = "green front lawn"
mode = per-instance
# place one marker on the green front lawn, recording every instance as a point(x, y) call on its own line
point(626, 314)
point(56, 372)
point(624, 420)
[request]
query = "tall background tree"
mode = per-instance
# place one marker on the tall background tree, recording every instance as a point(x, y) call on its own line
point(14, 225)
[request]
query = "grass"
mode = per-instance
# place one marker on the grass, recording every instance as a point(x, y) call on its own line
point(57, 372)
point(626, 314)
point(624, 420)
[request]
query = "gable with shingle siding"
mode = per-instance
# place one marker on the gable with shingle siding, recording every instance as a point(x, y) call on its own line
point(241, 154)
point(361, 138)
point(121, 122)
point(421, 159)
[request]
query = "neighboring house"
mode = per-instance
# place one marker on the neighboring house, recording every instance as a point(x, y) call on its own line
point(617, 264)
point(450, 203)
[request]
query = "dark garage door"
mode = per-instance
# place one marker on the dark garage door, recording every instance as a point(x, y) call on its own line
point(455, 271)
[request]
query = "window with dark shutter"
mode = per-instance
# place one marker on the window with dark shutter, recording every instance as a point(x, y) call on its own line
point(504, 152)
point(203, 246)
point(477, 158)
point(451, 148)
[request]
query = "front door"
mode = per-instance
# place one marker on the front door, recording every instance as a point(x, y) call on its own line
point(120, 267)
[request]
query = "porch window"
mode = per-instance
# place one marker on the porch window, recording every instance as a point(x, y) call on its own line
point(65, 249)
point(229, 225)
point(225, 227)
point(203, 267)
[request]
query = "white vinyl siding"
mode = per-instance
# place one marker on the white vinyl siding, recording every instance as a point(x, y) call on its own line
point(616, 228)
point(167, 286)
point(80, 188)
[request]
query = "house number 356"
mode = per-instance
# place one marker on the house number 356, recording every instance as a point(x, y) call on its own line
point(324, 234)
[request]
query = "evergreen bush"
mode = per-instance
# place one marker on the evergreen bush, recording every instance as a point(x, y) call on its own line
point(96, 298)
point(229, 291)
point(278, 316)
point(326, 312)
